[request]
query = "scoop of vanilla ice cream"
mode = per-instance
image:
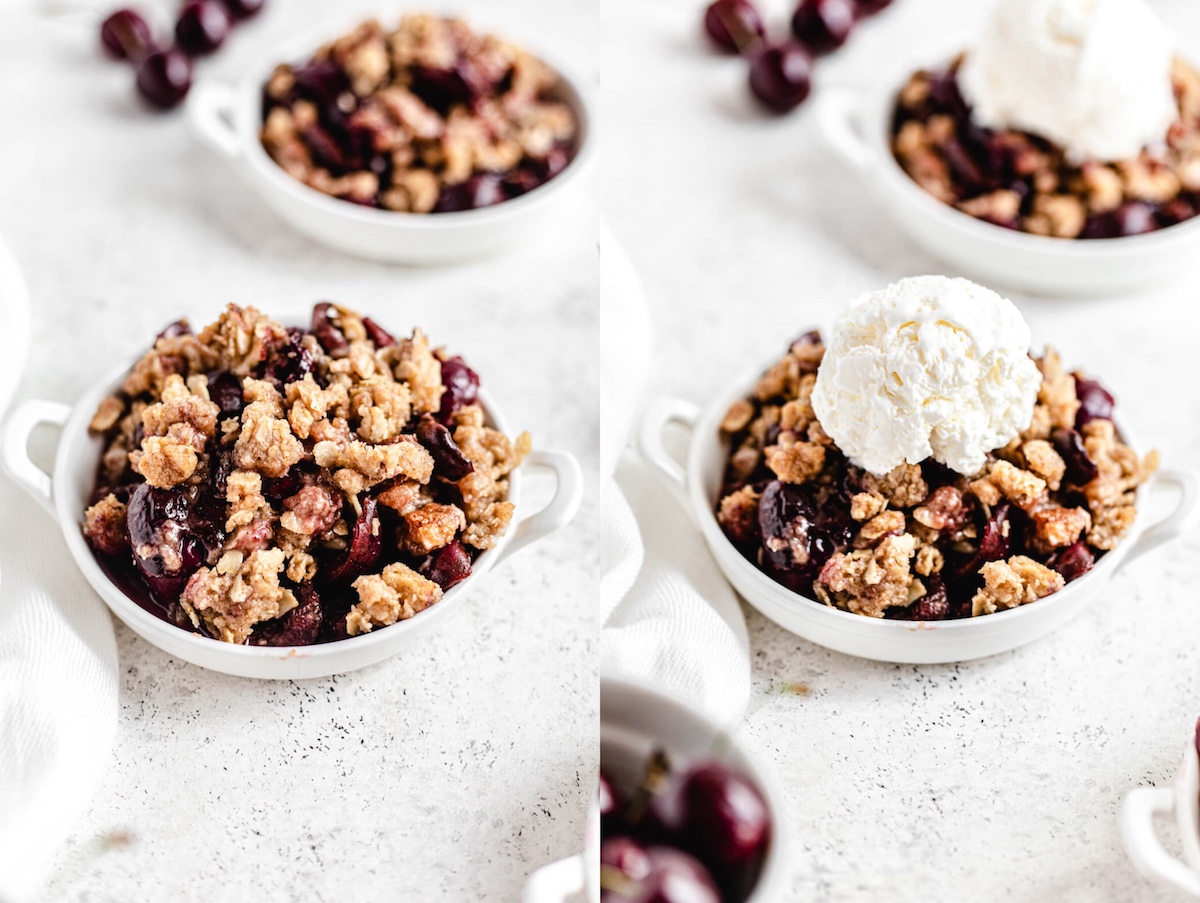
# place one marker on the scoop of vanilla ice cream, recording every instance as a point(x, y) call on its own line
point(927, 367)
point(1094, 76)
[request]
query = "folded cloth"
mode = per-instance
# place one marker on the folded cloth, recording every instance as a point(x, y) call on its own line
point(58, 672)
point(671, 620)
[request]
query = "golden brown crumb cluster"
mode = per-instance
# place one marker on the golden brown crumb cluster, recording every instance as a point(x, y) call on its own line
point(923, 542)
point(1025, 182)
point(285, 487)
point(406, 119)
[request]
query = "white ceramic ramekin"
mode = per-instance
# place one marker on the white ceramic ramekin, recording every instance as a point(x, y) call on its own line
point(858, 128)
point(1137, 826)
point(698, 484)
point(65, 495)
point(635, 720)
point(228, 119)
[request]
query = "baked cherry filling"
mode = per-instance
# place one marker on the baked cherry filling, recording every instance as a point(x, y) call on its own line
point(430, 117)
point(283, 487)
point(1022, 181)
point(923, 542)
point(693, 836)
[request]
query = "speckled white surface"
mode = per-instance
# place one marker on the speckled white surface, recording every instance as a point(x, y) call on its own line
point(997, 780)
point(447, 774)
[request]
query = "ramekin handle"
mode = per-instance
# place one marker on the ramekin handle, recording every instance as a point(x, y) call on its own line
point(658, 416)
point(838, 111)
point(556, 882)
point(210, 110)
point(1141, 843)
point(1183, 519)
point(559, 511)
point(14, 447)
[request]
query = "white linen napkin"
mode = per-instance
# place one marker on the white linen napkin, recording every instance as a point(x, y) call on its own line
point(671, 620)
point(58, 667)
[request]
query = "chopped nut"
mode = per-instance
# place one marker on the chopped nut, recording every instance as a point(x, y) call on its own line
point(431, 527)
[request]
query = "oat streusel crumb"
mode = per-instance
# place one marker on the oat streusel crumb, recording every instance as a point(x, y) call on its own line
point(254, 476)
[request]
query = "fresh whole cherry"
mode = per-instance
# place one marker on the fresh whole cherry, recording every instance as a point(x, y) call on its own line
point(126, 36)
point(823, 25)
point(718, 816)
point(781, 76)
point(243, 9)
point(734, 25)
point(871, 7)
point(627, 856)
point(165, 77)
point(670, 876)
point(202, 27)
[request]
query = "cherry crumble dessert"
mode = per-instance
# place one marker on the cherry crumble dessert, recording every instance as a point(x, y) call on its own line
point(1022, 181)
point(428, 118)
point(284, 487)
point(922, 542)
point(699, 835)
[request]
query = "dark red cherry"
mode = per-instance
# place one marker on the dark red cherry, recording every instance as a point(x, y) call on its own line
point(365, 545)
point(243, 9)
point(483, 190)
point(332, 339)
point(126, 36)
point(462, 387)
point(734, 25)
point(165, 77)
point(1095, 403)
point(670, 876)
point(448, 460)
point(379, 336)
point(823, 25)
point(781, 76)
point(299, 627)
point(871, 7)
point(448, 566)
point(627, 856)
point(718, 816)
point(1074, 561)
point(202, 27)
point(933, 606)
point(1080, 467)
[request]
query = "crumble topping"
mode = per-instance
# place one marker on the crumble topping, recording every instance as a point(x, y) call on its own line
point(238, 593)
point(869, 581)
point(394, 595)
point(1017, 581)
point(923, 542)
point(257, 474)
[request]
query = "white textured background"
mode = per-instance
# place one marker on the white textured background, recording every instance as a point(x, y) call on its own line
point(447, 773)
point(996, 780)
